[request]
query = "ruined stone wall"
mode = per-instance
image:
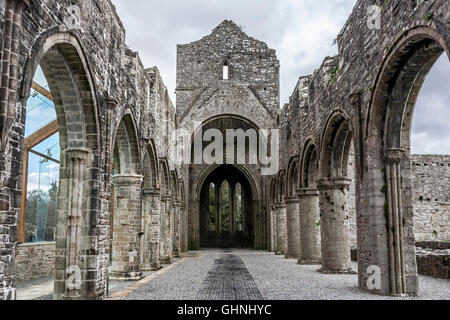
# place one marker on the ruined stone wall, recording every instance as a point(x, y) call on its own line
point(344, 85)
point(251, 92)
point(431, 185)
point(117, 73)
point(360, 54)
point(34, 260)
point(252, 89)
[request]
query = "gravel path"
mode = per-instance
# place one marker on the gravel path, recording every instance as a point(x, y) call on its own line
point(275, 278)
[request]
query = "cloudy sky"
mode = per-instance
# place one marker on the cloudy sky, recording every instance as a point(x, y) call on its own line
point(302, 32)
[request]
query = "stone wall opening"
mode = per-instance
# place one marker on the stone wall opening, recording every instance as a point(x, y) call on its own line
point(388, 135)
point(66, 142)
point(226, 210)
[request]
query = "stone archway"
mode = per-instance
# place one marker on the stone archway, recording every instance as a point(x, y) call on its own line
point(151, 210)
point(66, 70)
point(293, 210)
point(127, 181)
point(333, 187)
point(309, 204)
point(225, 231)
point(388, 203)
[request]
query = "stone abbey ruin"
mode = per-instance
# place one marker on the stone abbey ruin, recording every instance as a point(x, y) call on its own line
point(91, 189)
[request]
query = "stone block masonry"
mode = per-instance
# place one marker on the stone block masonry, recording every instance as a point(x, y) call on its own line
point(34, 260)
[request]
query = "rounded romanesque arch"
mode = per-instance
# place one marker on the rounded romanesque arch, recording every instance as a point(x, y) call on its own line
point(388, 162)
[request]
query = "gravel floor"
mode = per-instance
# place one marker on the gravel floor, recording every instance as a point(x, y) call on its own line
point(276, 278)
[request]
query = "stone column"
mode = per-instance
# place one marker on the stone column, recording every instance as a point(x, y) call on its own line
point(396, 222)
point(217, 201)
point(166, 242)
point(152, 229)
point(281, 229)
point(293, 227)
point(233, 209)
point(176, 230)
point(10, 60)
point(184, 229)
point(70, 247)
point(127, 227)
point(309, 226)
point(334, 225)
point(273, 229)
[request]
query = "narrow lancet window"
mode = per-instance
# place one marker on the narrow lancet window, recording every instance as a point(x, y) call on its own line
point(225, 71)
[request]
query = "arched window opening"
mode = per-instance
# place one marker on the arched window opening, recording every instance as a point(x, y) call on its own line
point(238, 209)
point(225, 71)
point(430, 155)
point(212, 208)
point(225, 206)
point(41, 165)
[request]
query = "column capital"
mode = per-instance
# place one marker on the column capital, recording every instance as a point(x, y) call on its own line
point(111, 103)
point(127, 179)
point(77, 154)
point(280, 205)
point(333, 183)
point(150, 192)
point(355, 99)
point(394, 155)
point(143, 142)
point(166, 198)
point(293, 199)
point(307, 192)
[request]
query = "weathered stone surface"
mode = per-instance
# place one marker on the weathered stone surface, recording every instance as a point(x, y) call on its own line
point(356, 109)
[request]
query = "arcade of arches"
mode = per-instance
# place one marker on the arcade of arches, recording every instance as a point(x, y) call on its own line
point(91, 190)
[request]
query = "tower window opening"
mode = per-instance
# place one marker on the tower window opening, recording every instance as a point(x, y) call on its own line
point(226, 70)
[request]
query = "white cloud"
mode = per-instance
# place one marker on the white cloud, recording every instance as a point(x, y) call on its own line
point(302, 32)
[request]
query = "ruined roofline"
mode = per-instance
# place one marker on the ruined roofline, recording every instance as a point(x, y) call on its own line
point(235, 27)
point(158, 78)
point(318, 73)
point(119, 21)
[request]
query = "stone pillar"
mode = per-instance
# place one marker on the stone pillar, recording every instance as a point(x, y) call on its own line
point(309, 226)
point(334, 225)
point(273, 229)
point(70, 247)
point(184, 229)
point(152, 229)
point(10, 60)
point(176, 230)
point(281, 229)
point(396, 221)
point(233, 209)
point(217, 201)
point(127, 227)
point(166, 242)
point(293, 227)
